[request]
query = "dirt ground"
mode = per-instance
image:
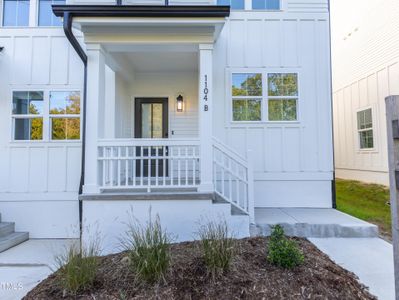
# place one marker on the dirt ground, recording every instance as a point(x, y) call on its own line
point(250, 277)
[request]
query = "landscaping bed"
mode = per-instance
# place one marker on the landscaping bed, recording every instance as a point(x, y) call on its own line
point(250, 276)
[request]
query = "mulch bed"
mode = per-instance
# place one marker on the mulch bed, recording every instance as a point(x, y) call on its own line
point(250, 277)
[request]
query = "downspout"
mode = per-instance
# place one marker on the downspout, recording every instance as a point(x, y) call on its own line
point(333, 186)
point(75, 44)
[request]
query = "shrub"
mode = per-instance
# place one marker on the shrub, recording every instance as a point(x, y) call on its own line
point(217, 246)
point(283, 252)
point(148, 248)
point(78, 267)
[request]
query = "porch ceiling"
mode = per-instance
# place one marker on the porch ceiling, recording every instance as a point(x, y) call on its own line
point(145, 24)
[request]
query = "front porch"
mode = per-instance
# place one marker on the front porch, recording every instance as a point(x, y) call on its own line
point(149, 115)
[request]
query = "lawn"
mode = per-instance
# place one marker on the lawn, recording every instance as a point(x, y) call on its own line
point(365, 201)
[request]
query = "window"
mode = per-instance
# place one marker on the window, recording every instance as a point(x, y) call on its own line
point(46, 115)
point(282, 96)
point(16, 13)
point(247, 97)
point(234, 4)
point(365, 129)
point(46, 15)
point(65, 115)
point(280, 93)
point(27, 111)
point(266, 4)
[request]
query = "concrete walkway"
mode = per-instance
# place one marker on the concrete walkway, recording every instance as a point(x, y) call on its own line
point(24, 266)
point(312, 222)
point(371, 259)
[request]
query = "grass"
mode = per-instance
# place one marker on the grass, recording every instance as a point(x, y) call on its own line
point(217, 246)
point(365, 201)
point(148, 248)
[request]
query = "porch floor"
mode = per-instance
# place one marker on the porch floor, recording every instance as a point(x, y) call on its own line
point(311, 222)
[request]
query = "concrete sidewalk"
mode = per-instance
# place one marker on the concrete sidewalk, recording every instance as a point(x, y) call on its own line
point(26, 265)
point(371, 259)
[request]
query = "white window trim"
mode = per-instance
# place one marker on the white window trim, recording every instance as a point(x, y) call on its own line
point(265, 97)
point(46, 115)
point(373, 128)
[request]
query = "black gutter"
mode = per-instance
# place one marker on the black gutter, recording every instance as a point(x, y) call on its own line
point(75, 44)
point(164, 11)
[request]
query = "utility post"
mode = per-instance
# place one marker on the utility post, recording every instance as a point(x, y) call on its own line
point(392, 116)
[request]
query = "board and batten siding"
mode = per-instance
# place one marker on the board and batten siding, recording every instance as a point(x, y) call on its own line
point(38, 176)
point(292, 160)
point(365, 71)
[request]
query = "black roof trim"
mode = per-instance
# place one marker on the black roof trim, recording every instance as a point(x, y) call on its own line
point(176, 11)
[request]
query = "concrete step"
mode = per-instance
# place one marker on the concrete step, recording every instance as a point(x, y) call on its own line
point(12, 240)
point(6, 228)
point(311, 222)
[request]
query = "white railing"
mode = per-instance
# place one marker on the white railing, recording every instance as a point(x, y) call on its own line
point(148, 163)
point(233, 177)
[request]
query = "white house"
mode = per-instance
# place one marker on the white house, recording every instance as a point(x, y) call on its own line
point(365, 71)
point(190, 108)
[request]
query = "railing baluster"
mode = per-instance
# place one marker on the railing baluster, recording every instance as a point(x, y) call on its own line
point(186, 163)
point(141, 166)
point(119, 170)
point(178, 166)
point(164, 154)
point(149, 169)
point(156, 165)
point(194, 163)
point(127, 166)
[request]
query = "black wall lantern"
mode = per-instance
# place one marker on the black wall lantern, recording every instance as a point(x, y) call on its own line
point(179, 103)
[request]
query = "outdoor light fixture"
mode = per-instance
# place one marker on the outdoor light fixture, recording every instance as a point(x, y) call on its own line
point(1, 48)
point(179, 103)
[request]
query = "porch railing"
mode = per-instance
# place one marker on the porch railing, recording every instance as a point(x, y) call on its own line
point(233, 177)
point(148, 163)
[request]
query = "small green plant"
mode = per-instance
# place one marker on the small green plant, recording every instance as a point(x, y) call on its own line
point(78, 267)
point(217, 246)
point(283, 252)
point(148, 248)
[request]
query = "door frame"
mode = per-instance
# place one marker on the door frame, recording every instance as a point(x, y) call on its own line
point(138, 114)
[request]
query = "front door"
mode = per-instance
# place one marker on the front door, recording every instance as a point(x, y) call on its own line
point(151, 122)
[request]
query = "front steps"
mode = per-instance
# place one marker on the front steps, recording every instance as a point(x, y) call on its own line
point(311, 223)
point(8, 237)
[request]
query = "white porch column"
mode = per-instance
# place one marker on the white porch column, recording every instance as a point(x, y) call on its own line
point(95, 98)
point(205, 116)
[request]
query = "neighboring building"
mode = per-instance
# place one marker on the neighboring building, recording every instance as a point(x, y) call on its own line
point(182, 102)
point(365, 71)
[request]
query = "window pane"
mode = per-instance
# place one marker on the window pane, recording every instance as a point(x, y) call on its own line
point(46, 15)
point(16, 13)
point(28, 129)
point(23, 13)
point(27, 103)
point(73, 128)
point(364, 119)
point(234, 4)
point(10, 13)
point(366, 139)
point(65, 128)
point(58, 128)
point(283, 110)
point(247, 110)
point(283, 84)
point(65, 103)
point(273, 4)
point(247, 85)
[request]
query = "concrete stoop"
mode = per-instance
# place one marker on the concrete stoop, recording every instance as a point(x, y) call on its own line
point(311, 223)
point(8, 237)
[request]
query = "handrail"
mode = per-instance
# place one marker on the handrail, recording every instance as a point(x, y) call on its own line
point(147, 142)
point(233, 178)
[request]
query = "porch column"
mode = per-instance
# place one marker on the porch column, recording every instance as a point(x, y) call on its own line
point(95, 98)
point(205, 116)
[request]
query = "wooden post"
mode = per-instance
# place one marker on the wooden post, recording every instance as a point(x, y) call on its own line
point(392, 116)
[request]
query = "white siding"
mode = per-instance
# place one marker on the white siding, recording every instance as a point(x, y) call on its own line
point(365, 71)
point(283, 152)
point(38, 175)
